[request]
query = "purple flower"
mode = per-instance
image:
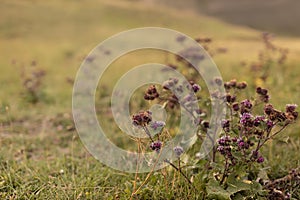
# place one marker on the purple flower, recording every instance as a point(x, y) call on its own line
point(247, 104)
point(230, 98)
point(258, 120)
point(225, 123)
point(246, 118)
point(196, 87)
point(264, 92)
point(235, 106)
point(270, 124)
point(142, 118)
point(224, 140)
point(269, 109)
point(156, 145)
point(260, 159)
point(218, 81)
point(241, 85)
point(241, 143)
point(157, 124)
point(221, 149)
point(291, 108)
point(178, 150)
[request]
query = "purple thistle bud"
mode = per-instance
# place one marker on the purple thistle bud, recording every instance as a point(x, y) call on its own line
point(199, 111)
point(221, 141)
point(157, 124)
point(205, 124)
point(264, 92)
point(266, 98)
point(258, 90)
point(218, 81)
point(221, 149)
point(291, 108)
point(178, 151)
point(142, 118)
point(225, 123)
point(246, 118)
point(232, 83)
point(270, 124)
point(227, 85)
point(224, 140)
point(258, 120)
point(247, 104)
point(235, 106)
point(196, 88)
point(156, 146)
point(241, 143)
point(230, 98)
point(269, 109)
point(151, 93)
point(241, 85)
point(260, 159)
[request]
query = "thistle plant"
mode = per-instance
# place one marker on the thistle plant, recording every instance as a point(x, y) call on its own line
point(247, 128)
point(232, 168)
point(272, 56)
point(32, 80)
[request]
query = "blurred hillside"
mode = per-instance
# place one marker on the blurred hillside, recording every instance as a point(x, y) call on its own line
point(278, 16)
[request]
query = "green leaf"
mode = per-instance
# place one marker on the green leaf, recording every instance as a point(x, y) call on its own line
point(215, 191)
point(237, 185)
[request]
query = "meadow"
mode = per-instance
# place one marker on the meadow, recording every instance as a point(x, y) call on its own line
point(42, 156)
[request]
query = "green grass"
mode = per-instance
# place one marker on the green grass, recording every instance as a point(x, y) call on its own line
point(41, 155)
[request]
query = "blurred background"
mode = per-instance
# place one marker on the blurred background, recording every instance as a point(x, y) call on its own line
point(57, 35)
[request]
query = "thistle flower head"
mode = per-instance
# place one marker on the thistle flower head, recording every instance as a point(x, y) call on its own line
point(247, 103)
point(178, 150)
point(260, 159)
point(258, 119)
point(157, 124)
point(142, 118)
point(291, 108)
point(246, 119)
point(156, 146)
point(151, 93)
